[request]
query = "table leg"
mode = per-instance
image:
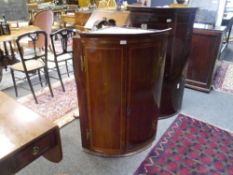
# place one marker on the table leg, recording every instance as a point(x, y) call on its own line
point(55, 153)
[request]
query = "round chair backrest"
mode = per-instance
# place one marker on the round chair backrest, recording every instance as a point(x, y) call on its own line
point(44, 20)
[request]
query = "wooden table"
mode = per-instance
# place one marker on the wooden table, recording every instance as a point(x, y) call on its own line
point(67, 19)
point(24, 136)
point(78, 19)
point(17, 32)
point(7, 53)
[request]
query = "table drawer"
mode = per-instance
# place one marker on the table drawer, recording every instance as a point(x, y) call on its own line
point(35, 149)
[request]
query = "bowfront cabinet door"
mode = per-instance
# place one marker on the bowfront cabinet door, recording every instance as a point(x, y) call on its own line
point(145, 73)
point(105, 93)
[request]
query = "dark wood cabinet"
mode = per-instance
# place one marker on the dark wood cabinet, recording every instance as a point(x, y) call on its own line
point(205, 52)
point(119, 79)
point(181, 21)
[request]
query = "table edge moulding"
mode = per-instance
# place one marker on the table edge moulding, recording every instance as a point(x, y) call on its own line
point(119, 80)
point(181, 21)
point(25, 136)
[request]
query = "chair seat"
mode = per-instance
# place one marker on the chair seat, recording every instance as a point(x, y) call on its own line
point(30, 64)
point(61, 58)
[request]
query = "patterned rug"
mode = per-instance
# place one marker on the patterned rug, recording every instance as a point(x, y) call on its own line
point(223, 80)
point(60, 109)
point(190, 147)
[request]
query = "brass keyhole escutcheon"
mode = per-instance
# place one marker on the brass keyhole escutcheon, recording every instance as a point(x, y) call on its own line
point(35, 150)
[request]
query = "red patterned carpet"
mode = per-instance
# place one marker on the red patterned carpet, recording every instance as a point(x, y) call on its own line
point(60, 109)
point(190, 147)
point(223, 80)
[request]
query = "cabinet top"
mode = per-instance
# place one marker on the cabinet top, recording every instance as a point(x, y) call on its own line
point(134, 8)
point(124, 32)
point(207, 27)
point(121, 30)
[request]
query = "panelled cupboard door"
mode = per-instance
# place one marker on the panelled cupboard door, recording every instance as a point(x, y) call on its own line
point(105, 90)
point(119, 80)
point(145, 75)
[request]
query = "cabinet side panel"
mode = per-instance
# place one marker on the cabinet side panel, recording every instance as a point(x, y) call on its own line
point(202, 60)
point(81, 90)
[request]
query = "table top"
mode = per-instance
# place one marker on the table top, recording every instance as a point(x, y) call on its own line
point(18, 125)
point(15, 32)
point(197, 26)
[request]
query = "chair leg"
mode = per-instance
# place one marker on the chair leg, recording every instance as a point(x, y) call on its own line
point(50, 48)
point(48, 81)
point(31, 87)
point(14, 82)
point(12, 52)
point(41, 84)
point(67, 70)
point(60, 78)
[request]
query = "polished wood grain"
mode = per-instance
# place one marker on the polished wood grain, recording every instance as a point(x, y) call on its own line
point(204, 58)
point(78, 19)
point(181, 21)
point(119, 87)
point(15, 32)
point(25, 136)
point(67, 19)
point(81, 19)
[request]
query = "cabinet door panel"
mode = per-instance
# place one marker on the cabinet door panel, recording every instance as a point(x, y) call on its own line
point(104, 95)
point(203, 58)
point(144, 85)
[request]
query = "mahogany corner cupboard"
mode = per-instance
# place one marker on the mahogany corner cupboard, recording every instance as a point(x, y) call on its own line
point(119, 74)
point(179, 44)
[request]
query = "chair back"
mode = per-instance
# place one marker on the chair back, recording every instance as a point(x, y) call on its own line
point(62, 41)
point(32, 53)
point(44, 20)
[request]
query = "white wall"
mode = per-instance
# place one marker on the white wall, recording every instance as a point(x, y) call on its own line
point(221, 9)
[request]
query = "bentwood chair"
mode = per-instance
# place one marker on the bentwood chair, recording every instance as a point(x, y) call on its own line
point(44, 20)
point(62, 49)
point(33, 60)
point(7, 54)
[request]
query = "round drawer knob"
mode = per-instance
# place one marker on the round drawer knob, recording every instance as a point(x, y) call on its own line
point(169, 20)
point(35, 150)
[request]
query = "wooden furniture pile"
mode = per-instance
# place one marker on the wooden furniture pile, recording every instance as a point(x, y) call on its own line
point(125, 84)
